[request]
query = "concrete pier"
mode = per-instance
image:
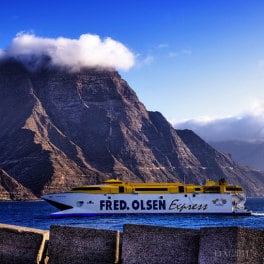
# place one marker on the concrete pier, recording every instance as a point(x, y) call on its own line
point(68, 245)
point(22, 245)
point(234, 245)
point(140, 244)
point(155, 244)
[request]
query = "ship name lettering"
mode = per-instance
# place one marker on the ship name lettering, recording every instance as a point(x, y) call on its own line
point(148, 205)
point(136, 205)
point(109, 205)
point(183, 206)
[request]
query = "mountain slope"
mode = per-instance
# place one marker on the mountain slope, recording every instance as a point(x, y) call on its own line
point(10, 189)
point(61, 129)
point(248, 153)
point(216, 163)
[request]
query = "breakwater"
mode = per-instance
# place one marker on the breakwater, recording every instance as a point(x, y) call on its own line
point(136, 244)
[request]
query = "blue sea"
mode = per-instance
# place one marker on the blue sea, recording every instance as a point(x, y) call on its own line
point(37, 215)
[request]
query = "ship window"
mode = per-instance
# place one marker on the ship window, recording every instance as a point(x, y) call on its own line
point(80, 203)
point(150, 189)
point(197, 189)
point(113, 182)
point(87, 188)
point(233, 189)
point(121, 189)
point(212, 189)
point(181, 189)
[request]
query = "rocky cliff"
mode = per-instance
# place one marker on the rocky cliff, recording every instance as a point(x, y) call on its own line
point(61, 129)
point(10, 189)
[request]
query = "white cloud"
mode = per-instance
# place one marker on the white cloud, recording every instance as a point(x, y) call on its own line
point(173, 54)
point(247, 127)
point(87, 51)
point(261, 64)
point(257, 107)
point(1, 53)
point(184, 52)
point(141, 62)
point(187, 52)
point(163, 46)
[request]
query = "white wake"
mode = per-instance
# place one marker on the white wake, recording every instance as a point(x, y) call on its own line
point(257, 214)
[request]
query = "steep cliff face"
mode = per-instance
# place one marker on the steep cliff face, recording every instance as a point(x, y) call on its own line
point(10, 189)
point(60, 129)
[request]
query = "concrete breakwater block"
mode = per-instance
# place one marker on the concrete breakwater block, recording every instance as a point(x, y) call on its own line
point(232, 245)
point(22, 245)
point(79, 245)
point(154, 244)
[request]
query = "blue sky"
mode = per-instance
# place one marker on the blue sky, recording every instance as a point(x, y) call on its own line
point(194, 58)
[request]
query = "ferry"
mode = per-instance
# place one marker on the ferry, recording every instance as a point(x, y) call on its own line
point(115, 196)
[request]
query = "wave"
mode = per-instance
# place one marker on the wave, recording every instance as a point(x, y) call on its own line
point(257, 214)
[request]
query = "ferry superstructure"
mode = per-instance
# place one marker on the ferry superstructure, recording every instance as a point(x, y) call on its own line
point(118, 197)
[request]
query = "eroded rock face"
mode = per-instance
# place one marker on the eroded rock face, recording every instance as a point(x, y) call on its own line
point(10, 189)
point(60, 129)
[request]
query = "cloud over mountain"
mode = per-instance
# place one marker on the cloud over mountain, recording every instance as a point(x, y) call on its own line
point(247, 127)
point(87, 51)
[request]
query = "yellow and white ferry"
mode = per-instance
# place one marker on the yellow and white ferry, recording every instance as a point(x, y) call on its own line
point(118, 197)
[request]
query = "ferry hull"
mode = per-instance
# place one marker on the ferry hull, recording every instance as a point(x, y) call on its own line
point(85, 204)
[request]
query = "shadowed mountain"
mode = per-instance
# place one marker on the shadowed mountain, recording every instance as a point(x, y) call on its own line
point(216, 164)
point(10, 189)
point(244, 152)
point(61, 129)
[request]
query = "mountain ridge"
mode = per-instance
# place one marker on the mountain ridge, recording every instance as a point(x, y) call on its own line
point(249, 153)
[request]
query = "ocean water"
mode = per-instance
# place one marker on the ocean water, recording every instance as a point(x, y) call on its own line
point(36, 215)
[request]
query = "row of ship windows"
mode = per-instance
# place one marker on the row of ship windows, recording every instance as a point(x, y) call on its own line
point(162, 189)
point(122, 189)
